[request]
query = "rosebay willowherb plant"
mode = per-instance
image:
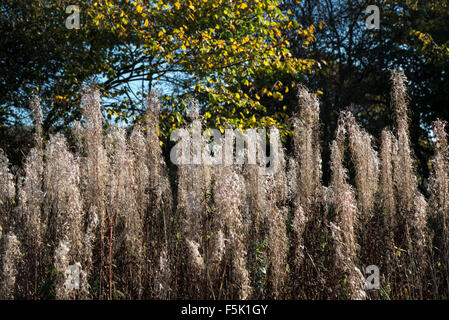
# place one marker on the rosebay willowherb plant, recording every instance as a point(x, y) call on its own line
point(388, 205)
point(345, 222)
point(159, 218)
point(112, 220)
point(10, 265)
point(410, 203)
point(439, 205)
point(94, 175)
point(33, 221)
point(257, 209)
point(308, 221)
point(124, 222)
point(277, 241)
point(63, 206)
point(7, 191)
point(366, 166)
point(229, 199)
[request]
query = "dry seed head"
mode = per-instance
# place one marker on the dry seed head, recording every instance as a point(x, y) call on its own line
point(124, 202)
point(420, 225)
point(192, 195)
point(279, 166)
point(399, 94)
point(30, 200)
point(366, 164)
point(277, 236)
point(307, 144)
point(218, 249)
point(7, 189)
point(78, 134)
point(141, 173)
point(343, 229)
point(63, 197)
point(62, 262)
point(95, 162)
point(153, 148)
point(10, 261)
point(292, 177)
point(157, 170)
point(405, 179)
point(306, 189)
point(387, 197)
point(154, 106)
point(439, 179)
point(163, 275)
point(309, 104)
point(37, 120)
point(91, 100)
point(441, 142)
point(299, 225)
point(123, 210)
point(63, 201)
point(195, 258)
point(386, 179)
point(229, 192)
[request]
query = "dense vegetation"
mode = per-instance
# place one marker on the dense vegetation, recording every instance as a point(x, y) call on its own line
point(137, 227)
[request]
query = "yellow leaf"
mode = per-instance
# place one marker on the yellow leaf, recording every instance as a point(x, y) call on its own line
point(146, 23)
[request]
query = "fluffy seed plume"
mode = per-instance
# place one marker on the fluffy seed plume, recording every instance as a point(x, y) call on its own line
point(307, 196)
point(10, 262)
point(276, 194)
point(64, 206)
point(228, 192)
point(346, 218)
